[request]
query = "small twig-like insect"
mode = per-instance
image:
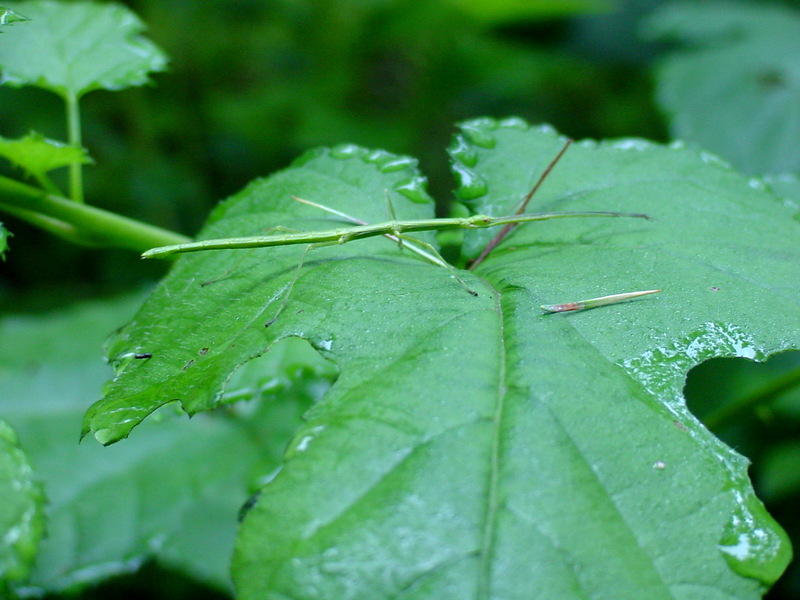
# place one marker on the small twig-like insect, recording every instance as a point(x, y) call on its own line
point(348, 234)
point(431, 254)
point(398, 231)
point(594, 302)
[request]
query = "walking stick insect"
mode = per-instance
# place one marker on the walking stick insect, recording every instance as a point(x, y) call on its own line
point(398, 230)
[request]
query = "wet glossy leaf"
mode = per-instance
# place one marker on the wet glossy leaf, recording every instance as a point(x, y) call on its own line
point(735, 90)
point(21, 511)
point(38, 155)
point(472, 446)
point(72, 48)
point(172, 494)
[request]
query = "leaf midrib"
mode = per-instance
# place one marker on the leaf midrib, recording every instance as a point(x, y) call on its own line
point(483, 588)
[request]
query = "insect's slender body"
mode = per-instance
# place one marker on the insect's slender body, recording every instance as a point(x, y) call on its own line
point(347, 234)
point(398, 231)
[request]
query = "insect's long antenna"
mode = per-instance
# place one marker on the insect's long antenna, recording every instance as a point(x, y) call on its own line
point(524, 204)
point(392, 214)
point(521, 209)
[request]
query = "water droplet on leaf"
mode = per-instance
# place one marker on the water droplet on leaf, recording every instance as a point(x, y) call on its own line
point(415, 189)
point(388, 162)
point(462, 151)
point(514, 123)
point(753, 544)
point(470, 184)
point(398, 163)
point(476, 132)
point(346, 151)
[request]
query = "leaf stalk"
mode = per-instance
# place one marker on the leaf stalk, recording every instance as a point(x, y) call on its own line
point(74, 138)
point(81, 223)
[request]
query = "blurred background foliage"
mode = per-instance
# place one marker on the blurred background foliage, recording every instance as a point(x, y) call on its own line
point(254, 83)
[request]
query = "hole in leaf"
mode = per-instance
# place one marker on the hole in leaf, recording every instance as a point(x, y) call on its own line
point(729, 394)
point(290, 365)
point(755, 409)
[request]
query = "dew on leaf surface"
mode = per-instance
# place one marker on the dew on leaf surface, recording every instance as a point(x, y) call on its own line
point(463, 152)
point(414, 189)
point(470, 184)
point(475, 131)
point(347, 151)
point(753, 544)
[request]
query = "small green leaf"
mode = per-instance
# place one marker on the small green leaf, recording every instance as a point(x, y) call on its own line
point(473, 447)
point(320, 175)
point(37, 155)
point(21, 511)
point(735, 90)
point(72, 48)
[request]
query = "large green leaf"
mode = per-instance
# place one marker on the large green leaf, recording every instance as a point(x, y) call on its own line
point(72, 48)
point(735, 90)
point(473, 447)
point(173, 493)
point(21, 511)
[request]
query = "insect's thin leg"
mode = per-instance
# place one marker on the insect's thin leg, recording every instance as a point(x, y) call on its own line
point(229, 271)
point(390, 206)
point(238, 263)
point(295, 277)
point(439, 260)
point(432, 255)
point(390, 236)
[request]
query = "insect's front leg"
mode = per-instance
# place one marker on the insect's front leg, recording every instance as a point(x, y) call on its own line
point(295, 277)
point(237, 264)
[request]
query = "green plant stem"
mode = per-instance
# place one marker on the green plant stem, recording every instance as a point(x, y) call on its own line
point(347, 234)
point(54, 226)
point(731, 411)
point(48, 184)
point(74, 138)
point(91, 226)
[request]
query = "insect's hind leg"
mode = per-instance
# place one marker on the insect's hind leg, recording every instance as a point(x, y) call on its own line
point(437, 258)
point(294, 279)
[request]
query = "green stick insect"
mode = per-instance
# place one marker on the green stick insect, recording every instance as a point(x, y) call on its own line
point(397, 231)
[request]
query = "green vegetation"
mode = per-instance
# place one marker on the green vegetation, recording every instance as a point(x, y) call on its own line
point(367, 423)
